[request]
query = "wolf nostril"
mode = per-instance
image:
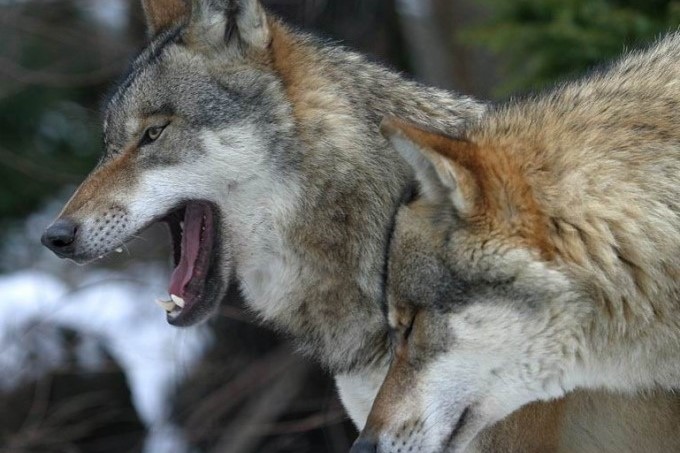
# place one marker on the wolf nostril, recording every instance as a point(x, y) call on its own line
point(60, 236)
point(364, 446)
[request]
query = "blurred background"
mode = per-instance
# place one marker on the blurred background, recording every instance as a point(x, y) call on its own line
point(87, 362)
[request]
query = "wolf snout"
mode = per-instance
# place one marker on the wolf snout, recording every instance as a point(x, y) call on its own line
point(364, 446)
point(60, 237)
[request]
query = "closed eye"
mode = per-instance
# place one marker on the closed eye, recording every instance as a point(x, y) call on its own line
point(402, 332)
point(409, 329)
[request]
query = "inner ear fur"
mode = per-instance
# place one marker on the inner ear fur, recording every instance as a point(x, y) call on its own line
point(162, 15)
point(479, 179)
point(234, 25)
point(445, 166)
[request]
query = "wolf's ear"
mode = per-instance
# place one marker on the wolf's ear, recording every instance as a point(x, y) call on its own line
point(239, 25)
point(440, 163)
point(162, 15)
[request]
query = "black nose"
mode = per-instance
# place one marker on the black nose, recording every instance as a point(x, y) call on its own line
point(60, 237)
point(364, 446)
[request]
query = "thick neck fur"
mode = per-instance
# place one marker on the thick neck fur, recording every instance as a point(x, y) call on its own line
point(330, 80)
point(314, 264)
point(602, 158)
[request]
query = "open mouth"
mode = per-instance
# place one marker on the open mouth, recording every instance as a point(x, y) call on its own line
point(192, 228)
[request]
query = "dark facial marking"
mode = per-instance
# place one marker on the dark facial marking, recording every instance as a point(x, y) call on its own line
point(148, 56)
point(164, 110)
point(409, 193)
point(456, 429)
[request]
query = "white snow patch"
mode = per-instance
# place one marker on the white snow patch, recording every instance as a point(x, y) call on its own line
point(120, 311)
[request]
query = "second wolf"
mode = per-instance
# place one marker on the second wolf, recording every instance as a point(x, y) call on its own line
point(542, 255)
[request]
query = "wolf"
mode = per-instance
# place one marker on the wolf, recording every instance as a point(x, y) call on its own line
point(541, 255)
point(260, 147)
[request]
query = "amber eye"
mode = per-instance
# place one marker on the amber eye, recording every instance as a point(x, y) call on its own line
point(152, 134)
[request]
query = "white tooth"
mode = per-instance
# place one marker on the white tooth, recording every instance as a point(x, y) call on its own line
point(181, 225)
point(166, 305)
point(119, 250)
point(178, 300)
point(101, 257)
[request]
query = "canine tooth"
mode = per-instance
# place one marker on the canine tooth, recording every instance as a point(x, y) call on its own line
point(166, 305)
point(181, 225)
point(178, 300)
point(119, 250)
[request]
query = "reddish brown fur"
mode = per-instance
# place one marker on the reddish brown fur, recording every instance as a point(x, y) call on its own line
point(164, 14)
point(307, 89)
point(118, 172)
point(288, 63)
point(540, 425)
point(501, 198)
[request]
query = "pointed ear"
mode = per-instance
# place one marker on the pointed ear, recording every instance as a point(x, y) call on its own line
point(162, 15)
point(237, 24)
point(441, 164)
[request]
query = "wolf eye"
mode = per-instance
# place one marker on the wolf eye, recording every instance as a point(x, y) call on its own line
point(152, 134)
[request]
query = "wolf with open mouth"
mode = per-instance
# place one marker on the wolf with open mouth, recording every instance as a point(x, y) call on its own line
point(260, 148)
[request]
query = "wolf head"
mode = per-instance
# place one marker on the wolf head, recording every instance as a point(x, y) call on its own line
point(483, 321)
point(199, 116)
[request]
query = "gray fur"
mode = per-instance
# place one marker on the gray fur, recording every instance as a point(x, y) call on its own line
point(342, 181)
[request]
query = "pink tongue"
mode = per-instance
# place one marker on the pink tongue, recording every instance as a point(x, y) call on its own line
point(191, 241)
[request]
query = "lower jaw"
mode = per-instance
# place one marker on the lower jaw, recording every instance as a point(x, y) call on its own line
point(205, 303)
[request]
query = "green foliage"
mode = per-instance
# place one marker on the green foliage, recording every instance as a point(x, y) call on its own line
point(543, 40)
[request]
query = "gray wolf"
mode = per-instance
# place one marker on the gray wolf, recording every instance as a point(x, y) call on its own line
point(260, 147)
point(542, 255)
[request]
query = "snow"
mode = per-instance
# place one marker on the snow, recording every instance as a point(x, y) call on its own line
point(114, 13)
point(118, 309)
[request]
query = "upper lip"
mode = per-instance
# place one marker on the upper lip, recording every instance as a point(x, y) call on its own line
point(83, 259)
